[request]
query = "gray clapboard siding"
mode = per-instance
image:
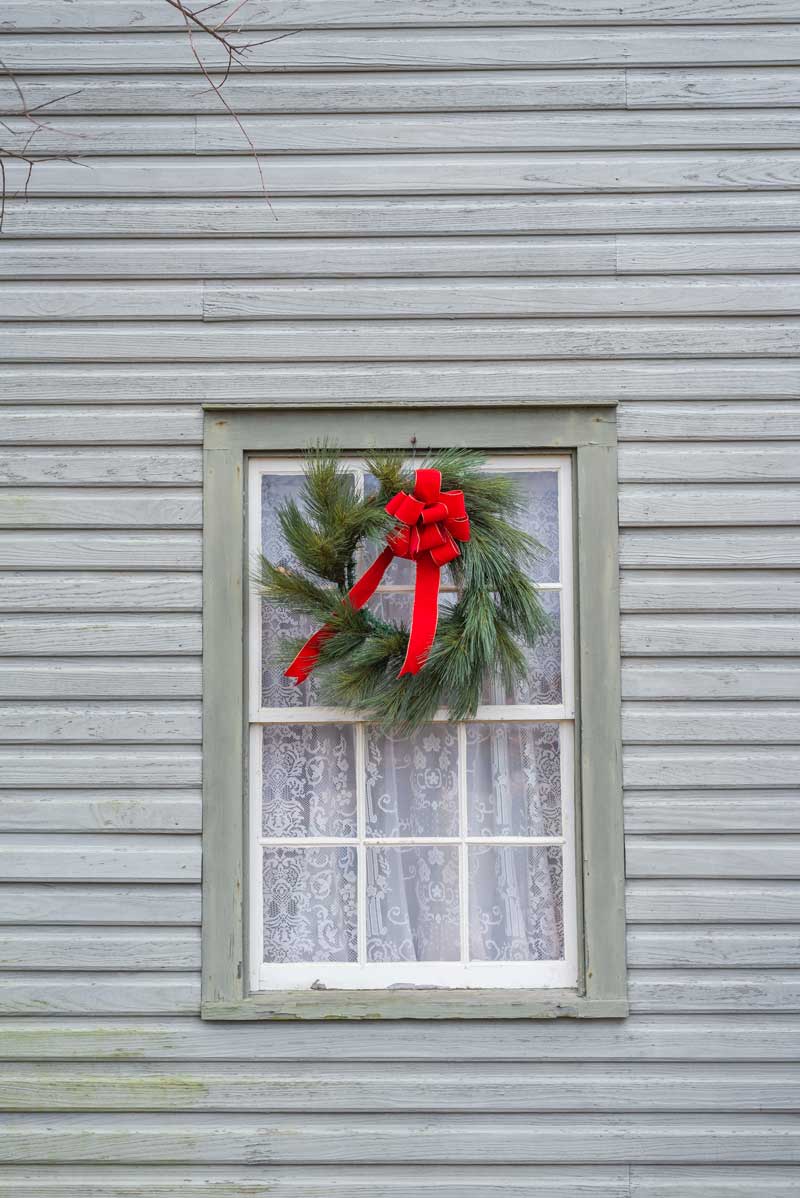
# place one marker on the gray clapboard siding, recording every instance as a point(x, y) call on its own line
point(569, 382)
point(103, 766)
point(374, 1181)
point(79, 466)
point(275, 257)
point(107, 425)
point(100, 948)
point(714, 945)
point(718, 87)
point(709, 252)
point(66, 507)
point(690, 635)
point(716, 505)
point(657, 1182)
point(95, 904)
point(728, 856)
point(711, 590)
point(110, 810)
point(384, 91)
point(381, 1139)
point(109, 15)
point(279, 256)
point(95, 678)
point(746, 548)
point(105, 858)
point(699, 723)
point(728, 811)
point(652, 678)
point(135, 995)
point(76, 549)
point(700, 990)
point(536, 297)
point(710, 901)
point(718, 765)
point(316, 1088)
point(718, 462)
point(367, 133)
point(415, 49)
point(239, 216)
point(82, 722)
point(433, 174)
point(142, 634)
point(676, 1037)
point(99, 591)
point(707, 421)
point(365, 340)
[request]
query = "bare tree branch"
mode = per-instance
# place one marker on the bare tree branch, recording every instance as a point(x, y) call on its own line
point(197, 25)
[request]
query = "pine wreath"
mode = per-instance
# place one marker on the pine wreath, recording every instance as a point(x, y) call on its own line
point(449, 515)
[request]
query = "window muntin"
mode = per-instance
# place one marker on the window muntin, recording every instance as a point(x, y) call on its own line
point(446, 859)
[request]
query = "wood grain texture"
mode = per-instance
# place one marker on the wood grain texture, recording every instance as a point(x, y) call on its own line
point(395, 1088)
point(115, 809)
point(416, 49)
point(377, 1139)
point(105, 16)
point(411, 174)
point(101, 677)
point(400, 132)
point(237, 216)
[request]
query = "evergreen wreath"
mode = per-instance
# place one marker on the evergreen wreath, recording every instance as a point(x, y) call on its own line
point(378, 669)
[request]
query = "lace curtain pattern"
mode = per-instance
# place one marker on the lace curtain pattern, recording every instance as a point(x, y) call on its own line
point(405, 828)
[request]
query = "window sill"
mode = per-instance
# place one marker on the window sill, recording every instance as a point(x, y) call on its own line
point(417, 1004)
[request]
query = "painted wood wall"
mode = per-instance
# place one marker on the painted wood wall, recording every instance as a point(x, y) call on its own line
point(484, 198)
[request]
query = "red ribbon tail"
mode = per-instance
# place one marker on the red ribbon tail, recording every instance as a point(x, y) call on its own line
point(425, 615)
point(361, 591)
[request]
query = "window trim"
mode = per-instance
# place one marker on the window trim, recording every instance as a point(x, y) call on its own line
point(231, 434)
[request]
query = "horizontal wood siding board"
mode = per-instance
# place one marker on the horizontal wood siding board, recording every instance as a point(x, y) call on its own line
point(131, 857)
point(465, 1139)
point(101, 677)
point(189, 218)
point(588, 381)
point(378, 1088)
point(710, 811)
point(415, 49)
point(133, 995)
point(106, 16)
point(99, 904)
point(665, 1037)
point(99, 810)
point(408, 132)
point(502, 254)
point(499, 173)
point(685, 590)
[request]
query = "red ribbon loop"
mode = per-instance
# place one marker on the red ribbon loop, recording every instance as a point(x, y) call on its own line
point(430, 523)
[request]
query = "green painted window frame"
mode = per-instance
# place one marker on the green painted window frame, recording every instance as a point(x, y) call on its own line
point(231, 434)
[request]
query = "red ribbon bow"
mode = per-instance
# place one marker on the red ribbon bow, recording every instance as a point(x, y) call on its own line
point(430, 523)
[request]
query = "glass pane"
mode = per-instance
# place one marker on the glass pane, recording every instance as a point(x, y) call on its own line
point(277, 626)
point(542, 682)
point(513, 779)
point(402, 571)
point(276, 489)
point(310, 905)
point(412, 782)
point(412, 903)
point(308, 780)
point(540, 518)
point(515, 903)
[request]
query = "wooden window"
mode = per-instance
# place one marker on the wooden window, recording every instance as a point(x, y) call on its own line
point(470, 870)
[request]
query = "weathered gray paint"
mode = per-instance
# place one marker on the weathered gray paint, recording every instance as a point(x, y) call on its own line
point(493, 201)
